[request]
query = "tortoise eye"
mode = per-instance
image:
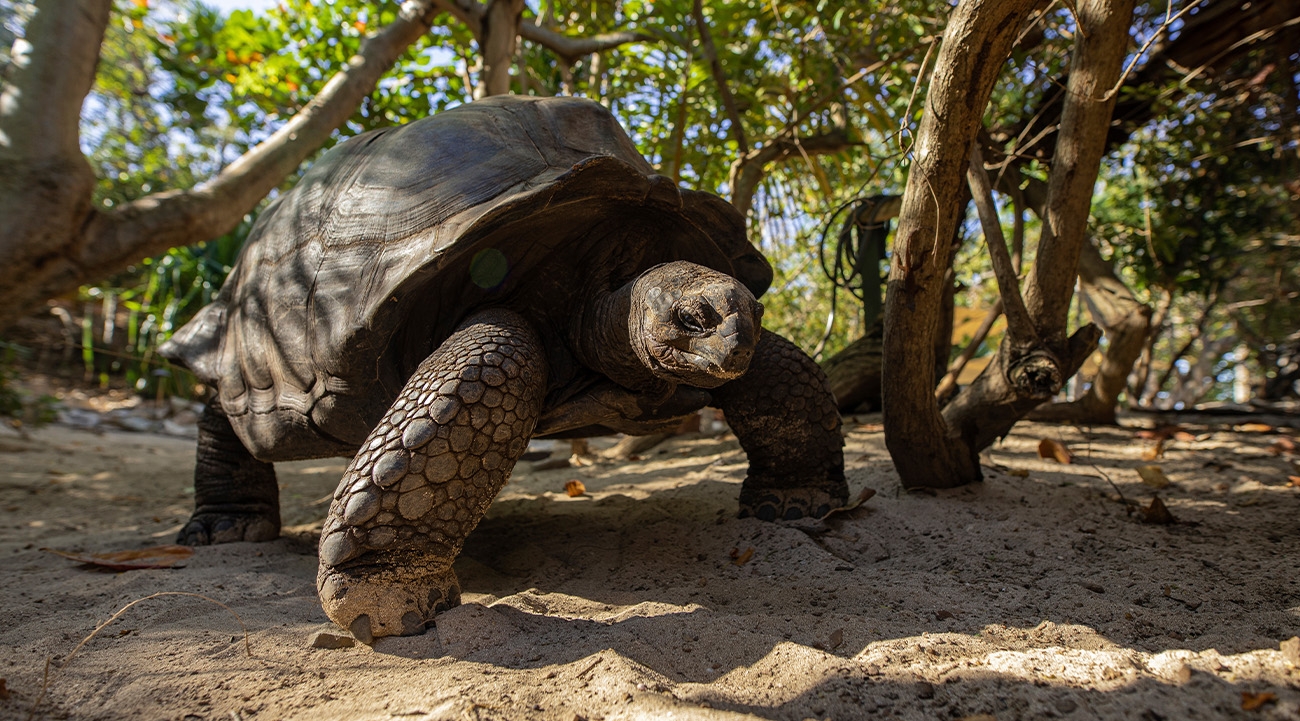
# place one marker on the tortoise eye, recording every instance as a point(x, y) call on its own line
point(688, 320)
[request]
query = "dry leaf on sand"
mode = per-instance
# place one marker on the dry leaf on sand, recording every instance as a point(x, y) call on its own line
point(739, 558)
point(861, 498)
point(836, 639)
point(1256, 701)
point(1048, 448)
point(169, 556)
point(1157, 513)
point(1150, 453)
point(1284, 445)
point(1153, 476)
point(575, 488)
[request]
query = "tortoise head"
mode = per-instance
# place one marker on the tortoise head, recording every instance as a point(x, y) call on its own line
point(693, 325)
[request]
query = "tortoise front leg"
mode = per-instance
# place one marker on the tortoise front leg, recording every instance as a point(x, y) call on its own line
point(236, 497)
point(426, 475)
point(784, 415)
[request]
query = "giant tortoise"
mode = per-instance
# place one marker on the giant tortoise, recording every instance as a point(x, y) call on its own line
point(429, 297)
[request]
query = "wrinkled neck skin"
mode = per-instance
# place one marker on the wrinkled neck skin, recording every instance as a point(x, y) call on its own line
point(601, 338)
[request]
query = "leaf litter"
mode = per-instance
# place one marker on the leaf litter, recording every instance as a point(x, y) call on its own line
point(168, 556)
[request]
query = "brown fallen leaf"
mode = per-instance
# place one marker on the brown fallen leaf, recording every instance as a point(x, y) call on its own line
point(861, 498)
point(4, 690)
point(1254, 428)
point(836, 639)
point(1256, 701)
point(169, 556)
point(1048, 448)
point(1284, 445)
point(1153, 476)
point(1150, 453)
point(943, 615)
point(575, 488)
point(1159, 433)
point(739, 558)
point(1293, 481)
point(1158, 513)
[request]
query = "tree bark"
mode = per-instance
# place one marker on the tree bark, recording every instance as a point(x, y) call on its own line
point(989, 407)
point(51, 237)
point(498, 36)
point(1126, 322)
point(941, 450)
point(976, 44)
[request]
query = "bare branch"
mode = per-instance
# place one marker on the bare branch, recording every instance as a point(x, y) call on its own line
point(568, 48)
point(571, 47)
point(948, 384)
point(75, 243)
point(747, 172)
point(1019, 326)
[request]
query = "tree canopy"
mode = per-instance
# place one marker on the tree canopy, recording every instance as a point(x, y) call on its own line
point(790, 110)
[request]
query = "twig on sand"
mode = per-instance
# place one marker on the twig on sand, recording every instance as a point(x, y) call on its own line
point(45, 680)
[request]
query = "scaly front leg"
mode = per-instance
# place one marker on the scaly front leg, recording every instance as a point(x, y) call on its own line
point(783, 413)
point(426, 475)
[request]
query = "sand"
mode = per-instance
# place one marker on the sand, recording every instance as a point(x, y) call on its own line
point(1031, 595)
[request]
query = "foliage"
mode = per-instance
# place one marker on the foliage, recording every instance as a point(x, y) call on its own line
point(1196, 200)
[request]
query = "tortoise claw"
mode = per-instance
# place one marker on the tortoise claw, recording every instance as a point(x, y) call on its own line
point(788, 504)
point(385, 600)
point(208, 528)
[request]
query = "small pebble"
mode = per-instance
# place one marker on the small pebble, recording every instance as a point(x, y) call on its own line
point(325, 639)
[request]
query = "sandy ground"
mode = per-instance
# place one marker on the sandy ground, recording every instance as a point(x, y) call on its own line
point(1031, 595)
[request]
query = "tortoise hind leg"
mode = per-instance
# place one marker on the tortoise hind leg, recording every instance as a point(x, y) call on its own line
point(783, 413)
point(236, 497)
point(426, 475)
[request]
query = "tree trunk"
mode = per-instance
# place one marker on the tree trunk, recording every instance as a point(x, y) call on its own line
point(975, 46)
point(52, 239)
point(1126, 322)
point(501, 23)
point(941, 450)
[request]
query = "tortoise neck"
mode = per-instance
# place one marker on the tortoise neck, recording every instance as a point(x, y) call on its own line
point(601, 338)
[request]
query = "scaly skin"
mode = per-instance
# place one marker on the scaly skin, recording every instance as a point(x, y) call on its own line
point(426, 475)
point(783, 413)
point(235, 495)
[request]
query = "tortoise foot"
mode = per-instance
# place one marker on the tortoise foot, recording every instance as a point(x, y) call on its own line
point(385, 600)
point(210, 527)
point(789, 504)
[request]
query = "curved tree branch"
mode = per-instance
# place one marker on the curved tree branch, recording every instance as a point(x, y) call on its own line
point(472, 12)
point(748, 170)
point(976, 43)
point(90, 243)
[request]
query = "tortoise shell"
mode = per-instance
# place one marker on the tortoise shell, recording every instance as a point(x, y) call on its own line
point(349, 280)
